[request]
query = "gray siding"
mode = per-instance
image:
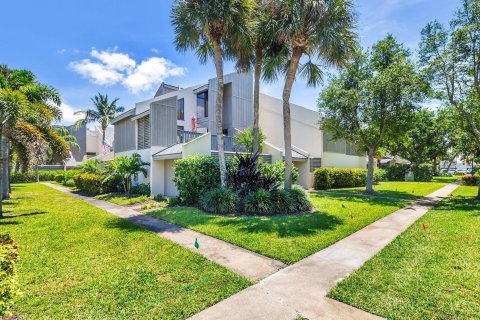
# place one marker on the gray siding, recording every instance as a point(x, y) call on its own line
point(163, 115)
point(241, 101)
point(124, 133)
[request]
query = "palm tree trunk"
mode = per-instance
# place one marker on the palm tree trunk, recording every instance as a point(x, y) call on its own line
point(1, 176)
point(219, 111)
point(256, 100)
point(369, 188)
point(287, 131)
point(5, 174)
point(103, 136)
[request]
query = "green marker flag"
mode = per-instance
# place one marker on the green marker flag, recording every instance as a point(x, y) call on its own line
point(197, 245)
point(344, 205)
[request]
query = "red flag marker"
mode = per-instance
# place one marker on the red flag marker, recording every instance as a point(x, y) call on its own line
point(424, 227)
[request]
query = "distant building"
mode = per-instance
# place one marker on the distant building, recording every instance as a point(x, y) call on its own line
point(90, 142)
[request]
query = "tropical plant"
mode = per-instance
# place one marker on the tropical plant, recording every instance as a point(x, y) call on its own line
point(31, 136)
point(92, 166)
point(127, 169)
point(68, 137)
point(218, 29)
point(322, 31)
point(245, 177)
point(450, 59)
point(373, 101)
point(103, 113)
point(12, 103)
point(245, 140)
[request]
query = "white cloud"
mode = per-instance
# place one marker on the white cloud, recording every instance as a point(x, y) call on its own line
point(151, 72)
point(69, 116)
point(114, 60)
point(109, 67)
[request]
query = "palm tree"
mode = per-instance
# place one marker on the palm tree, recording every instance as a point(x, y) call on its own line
point(126, 168)
point(103, 113)
point(264, 44)
point(214, 28)
point(12, 104)
point(68, 137)
point(321, 30)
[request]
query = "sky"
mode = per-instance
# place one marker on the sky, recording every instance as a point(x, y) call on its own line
point(125, 48)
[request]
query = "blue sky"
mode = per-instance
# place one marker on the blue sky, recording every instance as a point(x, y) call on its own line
point(125, 48)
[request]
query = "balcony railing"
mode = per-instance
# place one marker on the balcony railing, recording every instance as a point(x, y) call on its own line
point(186, 136)
point(228, 144)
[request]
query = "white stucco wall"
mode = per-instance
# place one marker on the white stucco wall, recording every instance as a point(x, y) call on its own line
point(338, 160)
point(305, 130)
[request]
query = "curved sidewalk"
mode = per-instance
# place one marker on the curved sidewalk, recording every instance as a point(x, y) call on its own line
point(241, 261)
point(300, 289)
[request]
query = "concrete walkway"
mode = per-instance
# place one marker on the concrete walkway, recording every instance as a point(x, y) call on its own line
point(241, 261)
point(300, 289)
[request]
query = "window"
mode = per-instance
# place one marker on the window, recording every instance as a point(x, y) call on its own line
point(180, 109)
point(352, 150)
point(143, 133)
point(315, 163)
point(202, 105)
point(329, 145)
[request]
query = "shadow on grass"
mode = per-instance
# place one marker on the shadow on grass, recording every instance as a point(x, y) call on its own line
point(282, 225)
point(471, 205)
point(10, 219)
point(285, 225)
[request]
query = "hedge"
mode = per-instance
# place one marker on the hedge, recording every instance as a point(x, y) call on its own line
point(89, 183)
point(471, 180)
point(44, 175)
point(327, 178)
point(261, 202)
point(397, 172)
point(8, 260)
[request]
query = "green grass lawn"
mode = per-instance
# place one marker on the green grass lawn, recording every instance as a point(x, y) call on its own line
point(123, 199)
point(290, 238)
point(431, 274)
point(446, 179)
point(79, 262)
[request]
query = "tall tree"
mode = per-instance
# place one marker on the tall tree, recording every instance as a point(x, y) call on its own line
point(322, 31)
point(425, 142)
point(218, 29)
point(373, 100)
point(451, 59)
point(12, 103)
point(103, 113)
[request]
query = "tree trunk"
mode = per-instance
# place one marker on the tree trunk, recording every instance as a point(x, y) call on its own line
point(103, 137)
point(36, 171)
point(287, 131)
point(1, 177)
point(369, 188)
point(5, 174)
point(219, 111)
point(435, 166)
point(256, 100)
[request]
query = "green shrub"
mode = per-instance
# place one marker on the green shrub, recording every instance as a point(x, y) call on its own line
point(8, 260)
point(69, 183)
point(299, 199)
point(277, 170)
point(194, 176)
point(173, 202)
point(281, 202)
point(219, 201)
point(89, 183)
point(397, 172)
point(424, 172)
point(258, 203)
point(379, 175)
point(261, 202)
point(322, 179)
point(141, 188)
point(326, 178)
point(471, 180)
point(44, 175)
